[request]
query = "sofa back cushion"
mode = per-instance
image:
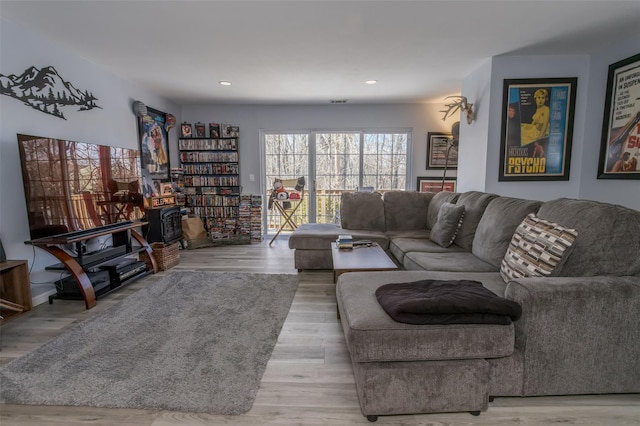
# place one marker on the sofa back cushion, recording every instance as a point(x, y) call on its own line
point(608, 240)
point(362, 211)
point(436, 202)
point(474, 203)
point(406, 210)
point(449, 222)
point(495, 230)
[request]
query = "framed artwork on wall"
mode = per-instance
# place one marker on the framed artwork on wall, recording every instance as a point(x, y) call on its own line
point(201, 131)
point(154, 144)
point(537, 129)
point(437, 146)
point(214, 130)
point(620, 144)
point(434, 184)
point(186, 131)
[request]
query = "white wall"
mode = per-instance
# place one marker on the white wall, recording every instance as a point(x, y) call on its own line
point(114, 124)
point(422, 118)
point(473, 150)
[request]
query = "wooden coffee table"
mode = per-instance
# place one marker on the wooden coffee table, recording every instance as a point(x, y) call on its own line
point(360, 259)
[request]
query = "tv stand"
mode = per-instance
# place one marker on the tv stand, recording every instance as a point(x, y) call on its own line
point(121, 233)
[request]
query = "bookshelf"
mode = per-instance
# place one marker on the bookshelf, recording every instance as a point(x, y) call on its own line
point(211, 181)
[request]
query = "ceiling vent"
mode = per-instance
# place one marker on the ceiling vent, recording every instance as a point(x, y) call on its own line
point(338, 101)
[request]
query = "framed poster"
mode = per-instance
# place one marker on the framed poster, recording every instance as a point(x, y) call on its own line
point(620, 145)
point(154, 144)
point(186, 131)
point(200, 130)
point(437, 145)
point(537, 129)
point(434, 184)
point(214, 130)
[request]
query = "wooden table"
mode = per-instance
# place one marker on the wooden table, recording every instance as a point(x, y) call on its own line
point(15, 289)
point(360, 259)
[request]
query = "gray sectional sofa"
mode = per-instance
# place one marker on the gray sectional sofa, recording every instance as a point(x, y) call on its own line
point(578, 332)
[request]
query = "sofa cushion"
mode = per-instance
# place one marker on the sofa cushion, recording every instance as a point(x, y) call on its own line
point(373, 336)
point(416, 234)
point(449, 221)
point(362, 211)
point(314, 236)
point(474, 203)
point(406, 210)
point(608, 240)
point(400, 246)
point(537, 249)
point(495, 230)
point(434, 205)
point(456, 261)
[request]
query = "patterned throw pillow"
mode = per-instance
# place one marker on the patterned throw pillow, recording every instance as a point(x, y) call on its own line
point(447, 225)
point(537, 249)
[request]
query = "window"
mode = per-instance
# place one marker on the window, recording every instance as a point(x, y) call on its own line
point(335, 162)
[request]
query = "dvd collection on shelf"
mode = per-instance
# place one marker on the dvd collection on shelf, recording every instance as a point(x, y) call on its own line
point(210, 176)
point(250, 221)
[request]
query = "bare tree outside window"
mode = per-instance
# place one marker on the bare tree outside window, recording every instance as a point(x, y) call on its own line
point(343, 161)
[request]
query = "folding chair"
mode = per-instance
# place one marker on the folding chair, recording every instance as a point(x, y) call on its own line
point(287, 196)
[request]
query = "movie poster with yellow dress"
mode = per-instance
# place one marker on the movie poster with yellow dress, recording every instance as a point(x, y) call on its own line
point(537, 129)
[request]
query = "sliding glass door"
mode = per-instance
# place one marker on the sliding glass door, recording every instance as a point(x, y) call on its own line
point(286, 156)
point(331, 163)
point(337, 169)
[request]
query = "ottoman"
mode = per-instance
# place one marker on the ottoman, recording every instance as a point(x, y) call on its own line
point(410, 369)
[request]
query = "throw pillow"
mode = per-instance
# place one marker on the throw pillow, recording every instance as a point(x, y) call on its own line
point(538, 248)
point(447, 225)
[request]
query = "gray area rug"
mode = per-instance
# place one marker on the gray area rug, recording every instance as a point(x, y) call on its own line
point(193, 341)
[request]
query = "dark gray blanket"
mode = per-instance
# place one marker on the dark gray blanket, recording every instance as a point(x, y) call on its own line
point(446, 302)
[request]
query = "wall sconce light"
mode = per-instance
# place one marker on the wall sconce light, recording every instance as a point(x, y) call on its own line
point(460, 104)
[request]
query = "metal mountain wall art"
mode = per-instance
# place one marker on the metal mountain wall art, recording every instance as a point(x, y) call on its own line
point(46, 91)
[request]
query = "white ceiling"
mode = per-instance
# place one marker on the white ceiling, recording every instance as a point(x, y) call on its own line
point(309, 52)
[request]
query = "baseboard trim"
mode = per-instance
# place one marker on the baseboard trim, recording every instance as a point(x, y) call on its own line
point(42, 298)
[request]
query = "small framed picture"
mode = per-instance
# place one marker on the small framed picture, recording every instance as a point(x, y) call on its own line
point(201, 131)
point(186, 131)
point(436, 184)
point(157, 188)
point(441, 151)
point(229, 131)
point(166, 188)
point(214, 130)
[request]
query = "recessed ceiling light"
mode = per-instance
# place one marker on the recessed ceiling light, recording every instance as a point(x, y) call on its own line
point(371, 81)
point(224, 83)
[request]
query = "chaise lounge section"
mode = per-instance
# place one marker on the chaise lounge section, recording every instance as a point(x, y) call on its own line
point(577, 333)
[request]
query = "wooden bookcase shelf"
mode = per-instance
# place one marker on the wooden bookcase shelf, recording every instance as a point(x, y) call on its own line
point(15, 289)
point(212, 182)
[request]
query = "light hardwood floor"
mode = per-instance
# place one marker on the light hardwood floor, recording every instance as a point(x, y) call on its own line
point(308, 380)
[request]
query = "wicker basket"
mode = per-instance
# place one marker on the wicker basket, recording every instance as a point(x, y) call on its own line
point(166, 256)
